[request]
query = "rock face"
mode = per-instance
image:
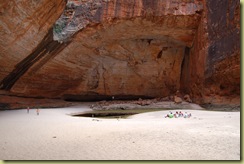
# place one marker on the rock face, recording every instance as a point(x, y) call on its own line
point(222, 75)
point(177, 100)
point(23, 26)
point(96, 49)
point(211, 68)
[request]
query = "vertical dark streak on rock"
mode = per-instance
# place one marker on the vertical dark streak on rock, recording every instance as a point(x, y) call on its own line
point(184, 71)
point(133, 8)
point(47, 49)
point(99, 14)
point(117, 8)
point(104, 79)
point(106, 9)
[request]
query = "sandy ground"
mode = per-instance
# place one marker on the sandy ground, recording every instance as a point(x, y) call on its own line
point(55, 135)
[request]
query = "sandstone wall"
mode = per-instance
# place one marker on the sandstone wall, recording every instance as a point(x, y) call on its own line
point(23, 24)
point(222, 75)
point(194, 63)
point(110, 48)
point(212, 70)
point(96, 49)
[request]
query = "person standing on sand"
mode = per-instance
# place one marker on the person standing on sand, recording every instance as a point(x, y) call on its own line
point(37, 111)
point(28, 109)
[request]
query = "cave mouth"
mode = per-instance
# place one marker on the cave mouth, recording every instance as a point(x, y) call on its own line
point(116, 113)
point(93, 97)
point(128, 57)
point(107, 115)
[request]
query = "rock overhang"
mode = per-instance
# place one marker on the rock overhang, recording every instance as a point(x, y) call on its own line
point(110, 47)
point(176, 19)
point(114, 47)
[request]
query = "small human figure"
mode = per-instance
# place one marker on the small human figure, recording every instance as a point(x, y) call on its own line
point(37, 111)
point(180, 114)
point(28, 109)
point(185, 115)
point(176, 115)
point(189, 115)
point(168, 114)
point(171, 115)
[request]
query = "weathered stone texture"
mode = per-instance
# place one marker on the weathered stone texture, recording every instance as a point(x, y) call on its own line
point(222, 73)
point(128, 49)
point(23, 24)
point(132, 48)
point(212, 71)
point(79, 14)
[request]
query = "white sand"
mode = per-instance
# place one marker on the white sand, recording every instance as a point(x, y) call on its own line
point(54, 135)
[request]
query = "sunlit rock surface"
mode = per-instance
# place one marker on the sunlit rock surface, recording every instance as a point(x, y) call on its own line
point(96, 49)
point(23, 25)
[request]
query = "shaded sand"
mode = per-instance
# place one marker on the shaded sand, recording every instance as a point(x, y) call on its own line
point(55, 135)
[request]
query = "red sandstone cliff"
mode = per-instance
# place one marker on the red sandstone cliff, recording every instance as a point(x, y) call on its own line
point(103, 48)
point(212, 68)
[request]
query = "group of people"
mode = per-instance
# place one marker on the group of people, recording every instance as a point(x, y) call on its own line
point(178, 114)
point(37, 110)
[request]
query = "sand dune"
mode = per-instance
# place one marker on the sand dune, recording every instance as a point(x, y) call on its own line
point(55, 135)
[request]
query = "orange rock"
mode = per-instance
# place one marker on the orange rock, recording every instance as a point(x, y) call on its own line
point(187, 98)
point(115, 47)
point(177, 100)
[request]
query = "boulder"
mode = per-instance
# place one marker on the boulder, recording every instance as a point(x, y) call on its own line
point(187, 98)
point(177, 100)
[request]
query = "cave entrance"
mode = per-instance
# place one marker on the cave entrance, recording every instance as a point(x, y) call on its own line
point(114, 114)
point(106, 114)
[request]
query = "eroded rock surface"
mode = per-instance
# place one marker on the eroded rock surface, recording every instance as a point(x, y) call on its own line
point(99, 49)
point(211, 69)
point(23, 25)
point(169, 14)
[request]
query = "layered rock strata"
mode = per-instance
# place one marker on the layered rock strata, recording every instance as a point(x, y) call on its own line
point(94, 50)
point(23, 25)
point(211, 70)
